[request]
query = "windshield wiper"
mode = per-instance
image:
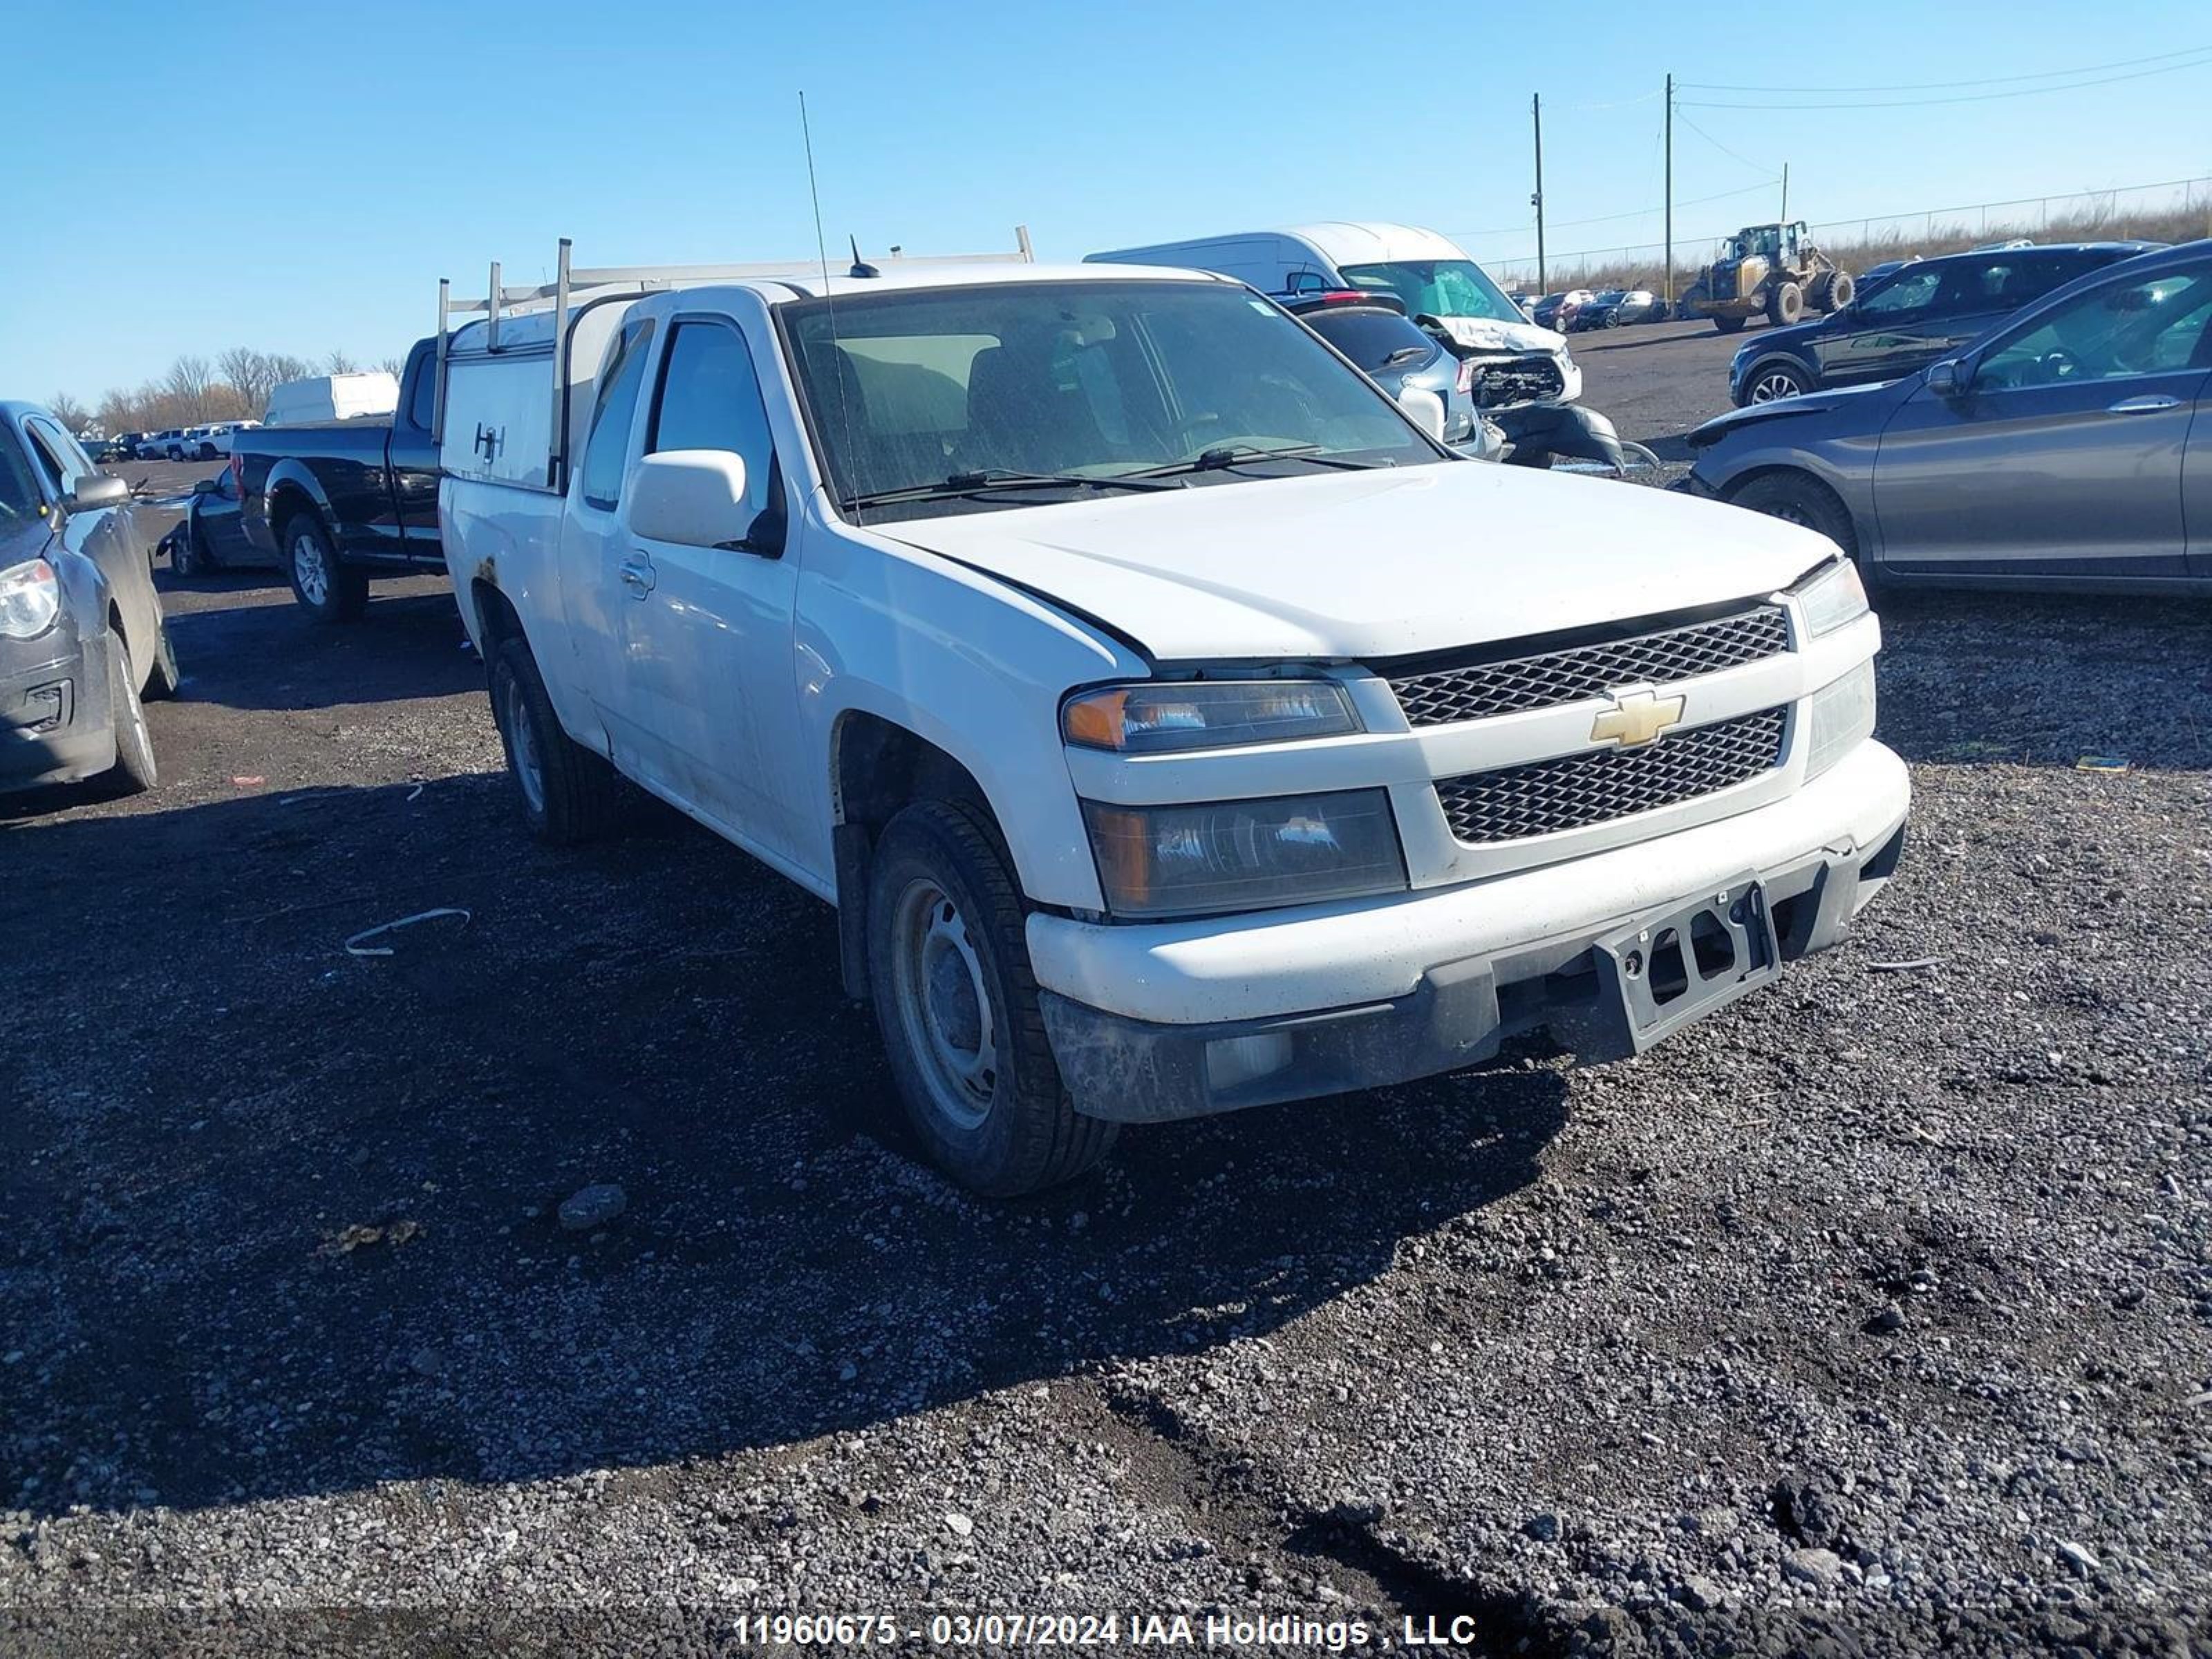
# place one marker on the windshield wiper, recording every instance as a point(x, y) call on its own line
point(998, 477)
point(1214, 460)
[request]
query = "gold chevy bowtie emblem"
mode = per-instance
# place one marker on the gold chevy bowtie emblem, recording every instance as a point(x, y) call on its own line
point(1636, 718)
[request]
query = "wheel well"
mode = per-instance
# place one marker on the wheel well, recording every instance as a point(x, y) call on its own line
point(881, 766)
point(876, 767)
point(1798, 475)
point(495, 615)
point(286, 505)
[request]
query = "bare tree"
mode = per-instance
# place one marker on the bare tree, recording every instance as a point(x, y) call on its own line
point(338, 363)
point(188, 385)
point(395, 366)
point(252, 373)
point(73, 414)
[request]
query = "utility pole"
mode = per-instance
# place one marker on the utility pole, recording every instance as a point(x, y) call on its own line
point(1669, 295)
point(1536, 110)
point(1785, 192)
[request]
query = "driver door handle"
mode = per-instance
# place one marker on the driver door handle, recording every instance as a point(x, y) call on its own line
point(2145, 405)
point(636, 572)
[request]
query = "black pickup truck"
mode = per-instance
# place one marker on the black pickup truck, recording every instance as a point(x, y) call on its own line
point(336, 502)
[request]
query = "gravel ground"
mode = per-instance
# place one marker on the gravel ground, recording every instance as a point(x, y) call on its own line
point(1872, 1316)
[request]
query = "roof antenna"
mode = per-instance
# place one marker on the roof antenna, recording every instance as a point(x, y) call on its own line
point(838, 369)
point(861, 267)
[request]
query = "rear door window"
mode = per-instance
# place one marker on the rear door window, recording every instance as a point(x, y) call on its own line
point(607, 453)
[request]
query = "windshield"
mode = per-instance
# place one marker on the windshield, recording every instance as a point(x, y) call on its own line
point(1075, 380)
point(1437, 288)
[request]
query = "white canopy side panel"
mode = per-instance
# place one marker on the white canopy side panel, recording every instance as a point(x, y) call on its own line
point(499, 418)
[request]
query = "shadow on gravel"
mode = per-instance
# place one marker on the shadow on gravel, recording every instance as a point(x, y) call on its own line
point(261, 654)
point(282, 1219)
point(2046, 680)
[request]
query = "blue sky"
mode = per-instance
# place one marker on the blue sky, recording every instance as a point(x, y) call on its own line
point(296, 176)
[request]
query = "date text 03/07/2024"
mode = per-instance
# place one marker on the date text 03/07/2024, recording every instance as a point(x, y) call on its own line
point(999, 1631)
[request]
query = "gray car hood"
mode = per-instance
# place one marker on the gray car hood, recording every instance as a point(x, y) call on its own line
point(1782, 409)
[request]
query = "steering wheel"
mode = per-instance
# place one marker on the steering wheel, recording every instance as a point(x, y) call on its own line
point(2055, 365)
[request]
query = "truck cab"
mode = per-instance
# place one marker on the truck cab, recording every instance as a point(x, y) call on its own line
point(1175, 725)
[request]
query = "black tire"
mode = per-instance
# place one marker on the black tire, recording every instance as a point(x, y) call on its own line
point(568, 794)
point(134, 771)
point(161, 684)
point(1770, 382)
point(1785, 304)
point(1009, 1128)
point(1729, 325)
point(1832, 291)
point(327, 590)
point(1801, 499)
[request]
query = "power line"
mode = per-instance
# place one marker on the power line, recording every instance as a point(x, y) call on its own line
point(1612, 218)
point(1976, 98)
point(1949, 86)
point(1755, 166)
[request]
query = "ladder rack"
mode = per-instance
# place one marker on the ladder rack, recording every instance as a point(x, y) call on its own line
point(572, 281)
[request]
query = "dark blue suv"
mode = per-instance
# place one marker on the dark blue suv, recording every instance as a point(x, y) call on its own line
point(1912, 317)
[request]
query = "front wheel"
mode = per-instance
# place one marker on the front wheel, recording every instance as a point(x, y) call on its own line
point(1727, 325)
point(1771, 382)
point(1797, 499)
point(134, 771)
point(327, 590)
point(165, 680)
point(949, 967)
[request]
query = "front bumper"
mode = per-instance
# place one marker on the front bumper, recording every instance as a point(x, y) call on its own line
point(55, 727)
point(1181, 1019)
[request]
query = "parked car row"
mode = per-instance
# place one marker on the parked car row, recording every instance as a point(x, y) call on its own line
point(176, 443)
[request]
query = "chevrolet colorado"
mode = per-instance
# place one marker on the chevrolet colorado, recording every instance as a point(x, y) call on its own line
point(1175, 725)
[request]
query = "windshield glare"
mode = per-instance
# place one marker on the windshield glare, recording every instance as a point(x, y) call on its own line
point(911, 388)
point(1437, 288)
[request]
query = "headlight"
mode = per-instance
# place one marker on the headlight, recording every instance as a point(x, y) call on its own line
point(30, 600)
point(1842, 717)
point(1152, 719)
point(1244, 855)
point(1829, 597)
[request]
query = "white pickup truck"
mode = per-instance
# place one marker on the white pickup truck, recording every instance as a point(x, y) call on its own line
point(1175, 725)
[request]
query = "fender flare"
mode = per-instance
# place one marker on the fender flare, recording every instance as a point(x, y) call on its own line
point(293, 476)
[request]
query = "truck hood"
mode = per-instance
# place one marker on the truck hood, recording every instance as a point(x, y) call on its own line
point(1782, 409)
point(1487, 334)
point(1373, 564)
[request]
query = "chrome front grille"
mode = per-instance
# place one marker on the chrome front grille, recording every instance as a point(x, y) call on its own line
point(1439, 694)
point(1576, 791)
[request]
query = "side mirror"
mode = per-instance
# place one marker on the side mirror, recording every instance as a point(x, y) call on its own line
point(692, 497)
point(207, 487)
point(1949, 378)
point(1425, 408)
point(98, 492)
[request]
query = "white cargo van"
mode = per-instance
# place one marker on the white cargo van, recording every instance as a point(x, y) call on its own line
point(1524, 366)
point(1175, 724)
point(333, 397)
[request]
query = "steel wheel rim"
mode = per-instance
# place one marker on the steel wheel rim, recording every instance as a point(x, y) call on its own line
point(309, 568)
point(1772, 387)
point(943, 1005)
point(522, 746)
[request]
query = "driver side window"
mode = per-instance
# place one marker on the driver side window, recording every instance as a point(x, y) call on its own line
point(1907, 295)
point(2150, 326)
